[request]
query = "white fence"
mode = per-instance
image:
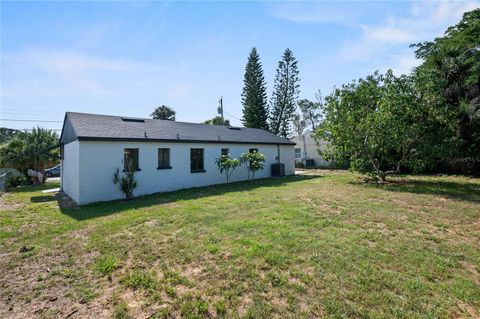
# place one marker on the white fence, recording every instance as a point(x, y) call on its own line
point(5, 173)
point(3, 183)
point(13, 171)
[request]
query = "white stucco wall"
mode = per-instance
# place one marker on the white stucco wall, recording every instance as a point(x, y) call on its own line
point(70, 170)
point(98, 161)
point(309, 149)
point(287, 157)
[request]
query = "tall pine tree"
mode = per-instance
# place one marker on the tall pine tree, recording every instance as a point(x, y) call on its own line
point(254, 95)
point(285, 94)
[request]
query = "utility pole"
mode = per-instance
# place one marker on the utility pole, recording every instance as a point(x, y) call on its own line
point(220, 108)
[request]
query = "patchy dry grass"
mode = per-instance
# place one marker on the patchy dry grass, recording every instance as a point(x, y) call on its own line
point(323, 245)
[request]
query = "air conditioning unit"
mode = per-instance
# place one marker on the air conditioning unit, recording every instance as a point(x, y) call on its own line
point(278, 170)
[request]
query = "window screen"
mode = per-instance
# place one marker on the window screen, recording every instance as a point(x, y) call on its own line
point(164, 158)
point(196, 160)
point(130, 159)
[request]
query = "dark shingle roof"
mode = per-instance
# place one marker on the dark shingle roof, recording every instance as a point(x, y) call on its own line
point(105, 127)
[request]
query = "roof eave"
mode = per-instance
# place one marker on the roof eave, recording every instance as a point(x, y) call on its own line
point(124, 139)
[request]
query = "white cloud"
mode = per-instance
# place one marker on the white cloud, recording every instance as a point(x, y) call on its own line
point(380, 43)
point(71, 70)
point(451, 10)
point(84, 82)
point(311, 13)
point(386, 34)
point(71, 64)
point(402, 63)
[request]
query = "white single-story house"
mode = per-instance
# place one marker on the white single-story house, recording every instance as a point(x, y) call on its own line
point(168, 155)
point(306, 150)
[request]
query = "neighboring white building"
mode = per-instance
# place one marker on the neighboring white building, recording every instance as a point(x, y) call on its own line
point(169, 155)
point(306, 150)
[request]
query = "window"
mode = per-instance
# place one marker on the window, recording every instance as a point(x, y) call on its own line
point(298, 152)
point(224, 151)
point(253, 150)
point(163, 158)
point(196, 160)
point(130, 159)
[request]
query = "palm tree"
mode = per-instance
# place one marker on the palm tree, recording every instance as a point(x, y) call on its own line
point(30, 150)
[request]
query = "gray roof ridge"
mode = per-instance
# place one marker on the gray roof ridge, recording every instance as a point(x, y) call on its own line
point(150, 119)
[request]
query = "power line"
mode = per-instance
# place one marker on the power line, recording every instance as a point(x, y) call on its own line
point(29, 112)
point(39, 109)
point(232, 115)
point(15, 120)
point(31, 129)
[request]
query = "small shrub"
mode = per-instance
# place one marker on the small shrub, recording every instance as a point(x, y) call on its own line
point(15, 180)
point(106, 265)
point(299, 164)
point(226, 164)
point(126, 183)
point(254, 161)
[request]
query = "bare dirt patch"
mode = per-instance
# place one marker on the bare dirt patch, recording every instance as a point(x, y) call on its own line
point(6, 204)
point(467, 309)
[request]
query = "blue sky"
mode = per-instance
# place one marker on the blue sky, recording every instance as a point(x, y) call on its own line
point(125, 58)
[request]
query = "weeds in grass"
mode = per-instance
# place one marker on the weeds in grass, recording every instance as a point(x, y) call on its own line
point(170, 291)
point(276, 279)
point(70, 274)
point(213, 249)
point(83, 292)
point(193, 307)
point(140, 279)
point(220, 309)
point(274, 259)
point(120, 311)
point(164, 313)
point(174, 278)
point(106, 265)
point(296, 247)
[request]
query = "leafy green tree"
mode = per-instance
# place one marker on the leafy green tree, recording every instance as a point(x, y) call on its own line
point(226, 164)
point(376, 124)
point(13, 155)
point(30, 150)
point(423, 122)
point(254, 94)
point(163, 112)
point(254, 161)
point(285, 95)
point(451, 65)
point(311, 111)
point(218, 120)
point(438, 144)
point(6, 134)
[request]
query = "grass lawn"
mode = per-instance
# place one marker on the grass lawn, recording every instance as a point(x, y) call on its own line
point(324, 245)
